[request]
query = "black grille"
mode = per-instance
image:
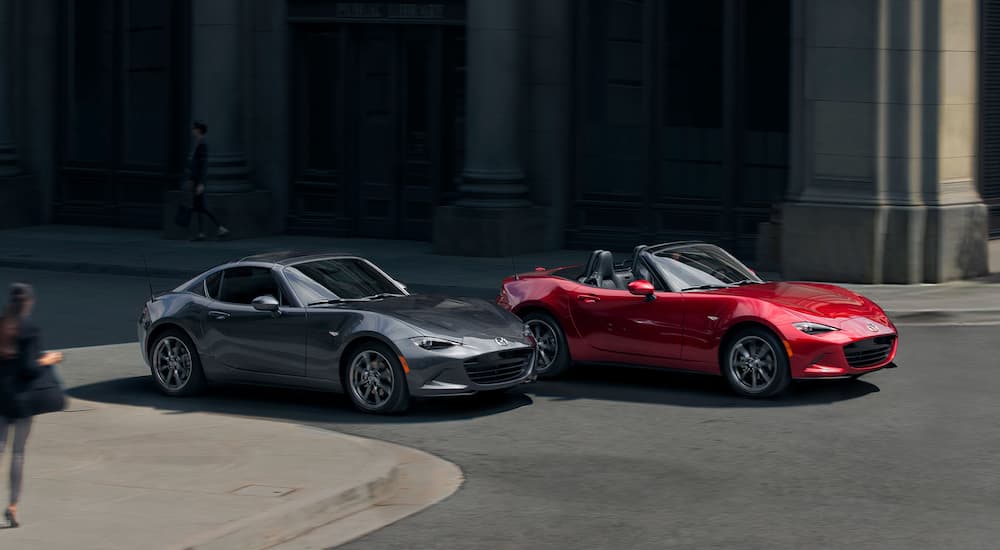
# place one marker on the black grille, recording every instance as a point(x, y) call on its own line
point(499, 367)
point(869, 352)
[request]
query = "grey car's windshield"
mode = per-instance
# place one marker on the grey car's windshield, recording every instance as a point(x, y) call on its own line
point(701, 267)
point(339, 279)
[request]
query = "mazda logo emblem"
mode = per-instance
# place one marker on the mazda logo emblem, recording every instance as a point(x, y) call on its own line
point(872, 327)
point(501, 341)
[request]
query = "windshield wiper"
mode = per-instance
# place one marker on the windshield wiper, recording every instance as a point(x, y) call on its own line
point(747, 282)
point(337, 301)
point(704, 287)
point(381, 295)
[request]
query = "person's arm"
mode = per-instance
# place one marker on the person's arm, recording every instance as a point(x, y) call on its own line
point(29, 352)
point(198, 164)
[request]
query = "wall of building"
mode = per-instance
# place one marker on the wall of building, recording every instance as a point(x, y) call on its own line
point(888, 111)
point(579, 139)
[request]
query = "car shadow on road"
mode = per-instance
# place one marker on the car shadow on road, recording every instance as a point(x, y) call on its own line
point(614, 383)
point(294, 405)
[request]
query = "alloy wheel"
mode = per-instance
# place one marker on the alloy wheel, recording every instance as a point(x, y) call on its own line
point(371, 379)
point(172, 363)
point(546, 344)
point(753, 363)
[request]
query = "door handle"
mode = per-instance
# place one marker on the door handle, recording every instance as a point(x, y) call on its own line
point(588, 298)
point(218, 315)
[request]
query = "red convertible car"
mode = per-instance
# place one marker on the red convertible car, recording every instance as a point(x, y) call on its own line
point(692, 306)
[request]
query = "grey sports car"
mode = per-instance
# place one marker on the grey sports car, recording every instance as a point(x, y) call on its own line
point(329, 322)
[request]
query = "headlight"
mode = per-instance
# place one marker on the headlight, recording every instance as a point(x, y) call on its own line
point(434, 344)
point(813, 328)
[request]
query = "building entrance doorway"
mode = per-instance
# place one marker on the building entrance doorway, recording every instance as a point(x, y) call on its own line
point(682, 121)
point(377, 127)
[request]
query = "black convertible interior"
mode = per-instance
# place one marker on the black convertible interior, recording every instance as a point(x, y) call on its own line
point(602, 271)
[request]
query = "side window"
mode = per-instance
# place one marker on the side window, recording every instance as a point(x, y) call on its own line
point(212, 284)
point(242, 284)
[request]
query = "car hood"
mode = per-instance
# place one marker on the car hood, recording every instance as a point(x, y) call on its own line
point(449, 317)
point(829, 302)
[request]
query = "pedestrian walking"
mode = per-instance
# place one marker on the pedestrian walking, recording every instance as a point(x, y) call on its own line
point(197, 168)
point(27, 384)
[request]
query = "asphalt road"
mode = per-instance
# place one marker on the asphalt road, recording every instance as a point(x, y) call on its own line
point(628, 459)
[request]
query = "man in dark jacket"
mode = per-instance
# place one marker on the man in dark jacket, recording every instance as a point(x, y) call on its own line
point(196, 179)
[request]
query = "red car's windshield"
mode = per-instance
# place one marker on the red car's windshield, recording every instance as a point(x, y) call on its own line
point(700, 266)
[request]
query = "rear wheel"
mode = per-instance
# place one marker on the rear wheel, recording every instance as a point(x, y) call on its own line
point(755, 363)
point(375, 380)
point(175, 364)
point(552, 354)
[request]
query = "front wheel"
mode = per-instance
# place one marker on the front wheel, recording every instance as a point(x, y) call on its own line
point(175, 365)
point(376, 382)
point(755, 364)
point(551, 352)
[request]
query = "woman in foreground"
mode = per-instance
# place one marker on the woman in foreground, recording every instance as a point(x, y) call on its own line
point(20, 363)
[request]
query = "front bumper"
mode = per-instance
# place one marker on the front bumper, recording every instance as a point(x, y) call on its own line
point(467, 369)
point(846, 354)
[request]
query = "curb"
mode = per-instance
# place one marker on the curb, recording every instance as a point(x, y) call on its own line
point(290, 521)
point(944, 317)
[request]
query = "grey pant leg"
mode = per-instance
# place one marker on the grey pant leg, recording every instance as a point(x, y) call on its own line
point(22, 428)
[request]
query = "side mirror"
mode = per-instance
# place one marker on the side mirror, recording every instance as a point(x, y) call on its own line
point(265, 303)
point(642, 287)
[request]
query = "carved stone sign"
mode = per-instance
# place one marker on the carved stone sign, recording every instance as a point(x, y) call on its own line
point(440, 12)
point(365, 10)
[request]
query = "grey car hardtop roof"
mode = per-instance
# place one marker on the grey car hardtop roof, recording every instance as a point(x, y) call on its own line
point(292, 257)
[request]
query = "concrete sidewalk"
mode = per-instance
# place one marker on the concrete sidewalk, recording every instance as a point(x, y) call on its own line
point(133, 252)
point(118, 477)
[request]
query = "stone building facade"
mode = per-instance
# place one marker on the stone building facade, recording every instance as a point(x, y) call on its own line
point(854, 140)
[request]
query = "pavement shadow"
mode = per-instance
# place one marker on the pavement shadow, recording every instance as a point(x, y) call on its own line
point(302, 406)
point(664, 387)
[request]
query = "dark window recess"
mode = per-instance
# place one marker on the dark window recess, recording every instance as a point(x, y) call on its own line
point(243, 284)
point(707, 221)
point(693, 98)
point(322, 101)
point(604, 217)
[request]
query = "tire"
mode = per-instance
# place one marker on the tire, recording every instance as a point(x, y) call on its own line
point(755, 363)
point(546, 329)
point(175, 365)
point(375, 381)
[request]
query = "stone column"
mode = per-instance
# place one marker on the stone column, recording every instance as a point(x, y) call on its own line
point(886, 119)
point(492, 174)
point(548, 130)
point(8, 152)
point(493, 216)
point(217, 94)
